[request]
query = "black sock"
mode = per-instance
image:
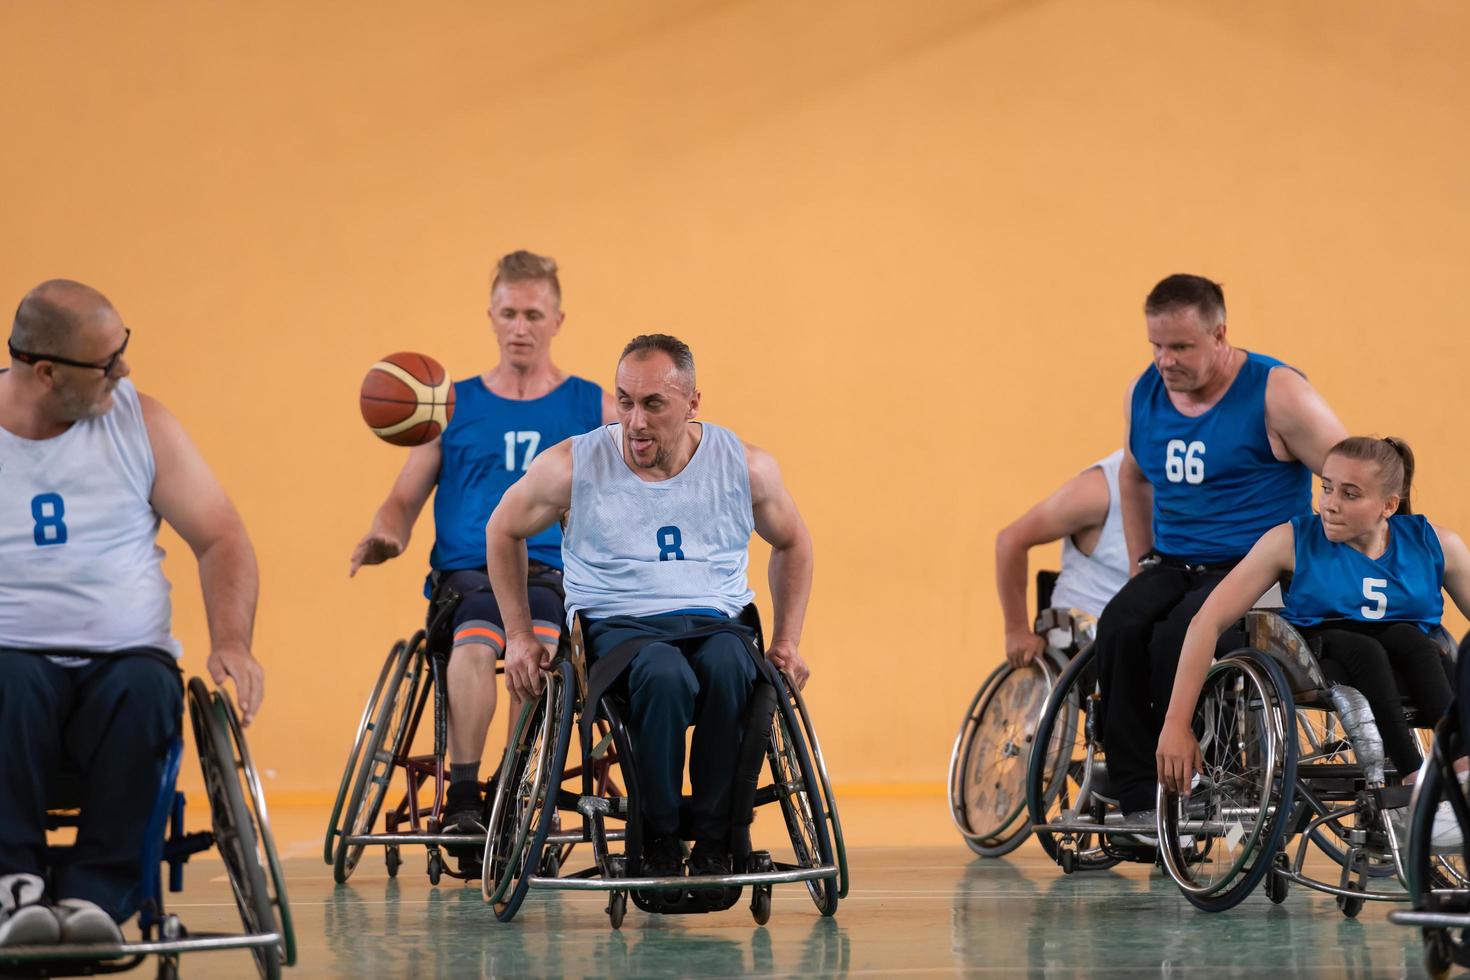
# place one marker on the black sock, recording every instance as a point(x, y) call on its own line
point(464, 772)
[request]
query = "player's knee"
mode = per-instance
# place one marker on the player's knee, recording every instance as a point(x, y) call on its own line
point(478, 643)
point(661, 671)
point(725, 663)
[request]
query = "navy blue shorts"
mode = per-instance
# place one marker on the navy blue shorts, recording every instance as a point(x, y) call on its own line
point(477, 618)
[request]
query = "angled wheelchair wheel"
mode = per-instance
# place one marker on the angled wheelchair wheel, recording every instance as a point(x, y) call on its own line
point(987, 781)
point(800, 795)
point(364, 731)
point(533, 777)
point(382, 750)
point(1436, 873)
point(237, 830)
point(829, 800)
point(1069, 776)
point(1238, 813)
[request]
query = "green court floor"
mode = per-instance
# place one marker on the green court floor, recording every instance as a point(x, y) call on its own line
point(921, 905)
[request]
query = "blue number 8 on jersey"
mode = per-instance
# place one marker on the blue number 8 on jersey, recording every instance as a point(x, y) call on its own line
point(670, 544)
point(48, 509)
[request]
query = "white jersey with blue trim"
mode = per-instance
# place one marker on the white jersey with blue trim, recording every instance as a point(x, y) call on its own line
point(639, 548)
point(1089, 582)
point(80, 566)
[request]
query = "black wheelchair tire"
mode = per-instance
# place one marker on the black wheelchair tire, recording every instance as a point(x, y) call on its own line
point(560, 696)
point(1269, 841)
point(234, 831)
point(1039, 795)
point(389, 730)
point(369, 712)
point(825, 892)
point(829, 799)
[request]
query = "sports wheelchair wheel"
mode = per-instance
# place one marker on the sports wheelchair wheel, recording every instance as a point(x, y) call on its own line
point(372, 770)
point(1245, 722)
point(364, 730)
point(241, 829)
point(1438, 881)
point(525, 806)
point(800, 795)
point(987, 768)
point(1064, 779)
point(829, 801)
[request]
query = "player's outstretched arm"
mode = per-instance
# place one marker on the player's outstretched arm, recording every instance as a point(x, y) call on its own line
point(1178, 756)
point(779, 524)
point(1076, 506)
point(186, 494)
point(1301, 418)
point(532, 504)
point(393, 523)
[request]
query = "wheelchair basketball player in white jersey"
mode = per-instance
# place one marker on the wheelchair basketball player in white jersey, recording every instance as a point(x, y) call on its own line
point(88, 662)
point(656, 549)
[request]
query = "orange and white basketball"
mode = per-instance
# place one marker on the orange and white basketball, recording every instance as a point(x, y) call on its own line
point(407, 399)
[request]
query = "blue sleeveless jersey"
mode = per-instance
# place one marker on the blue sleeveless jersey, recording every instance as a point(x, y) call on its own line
point(1217, 485)
point(1336, 581)
point(488, 444)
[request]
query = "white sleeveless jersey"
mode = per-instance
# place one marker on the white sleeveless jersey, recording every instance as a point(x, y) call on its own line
point(80, 566)
point(634, 548)
point(1088, 582)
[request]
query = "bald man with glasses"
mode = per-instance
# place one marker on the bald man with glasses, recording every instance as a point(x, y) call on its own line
point(89, 676)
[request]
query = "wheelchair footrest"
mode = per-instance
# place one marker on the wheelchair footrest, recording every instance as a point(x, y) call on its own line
point(687, 901)
point(182, 848)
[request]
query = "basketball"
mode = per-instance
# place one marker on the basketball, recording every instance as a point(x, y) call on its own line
point(407, 399)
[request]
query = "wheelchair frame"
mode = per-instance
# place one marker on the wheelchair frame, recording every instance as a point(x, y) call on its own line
point(241, 831)
point(524, 822)
point(1333, 796)
point(412, 674)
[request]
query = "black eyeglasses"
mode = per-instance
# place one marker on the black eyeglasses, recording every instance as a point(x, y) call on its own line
point(106, 367)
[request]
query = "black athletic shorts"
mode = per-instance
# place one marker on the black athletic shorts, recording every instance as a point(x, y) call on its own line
point(477, 618)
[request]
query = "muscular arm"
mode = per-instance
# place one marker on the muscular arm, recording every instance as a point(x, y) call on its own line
point(1135, 496)
point(1076, 506)
point(186, 494)
point(1272, 556)
point(532, 504)
point(1456, 568)
point(1299, 421)
point(779, 524)
point(393, 523)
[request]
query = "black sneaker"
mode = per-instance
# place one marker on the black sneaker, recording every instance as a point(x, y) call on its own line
point(712, 858)
point(663, 857)
point(709, 858)
point(464, 809)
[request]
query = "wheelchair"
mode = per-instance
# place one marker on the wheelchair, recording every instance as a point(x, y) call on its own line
point(1290, 763)
point(241, 832)
point(532, 793)
point(1072, 807)
point(986, 785)
point(410, 677)
point(1439, 889)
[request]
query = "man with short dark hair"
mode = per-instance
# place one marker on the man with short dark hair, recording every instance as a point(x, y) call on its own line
point(502, 420)
point(656, 548)
point(88, 662)
point(1220, 446)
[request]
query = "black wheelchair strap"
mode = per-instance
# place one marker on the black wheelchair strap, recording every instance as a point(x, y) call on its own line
point(606, 669)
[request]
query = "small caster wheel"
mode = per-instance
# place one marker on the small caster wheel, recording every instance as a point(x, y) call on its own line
point(1439, 959)
point(1277, 884)
point(1068, 861)
point(168, 968)
point(550, 863)
point(436, 867)
point(1350, 907)
point(617, 907)
point(392, 859)
point(760, 904)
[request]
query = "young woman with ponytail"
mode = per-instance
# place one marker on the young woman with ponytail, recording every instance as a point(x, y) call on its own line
point(1367, 576)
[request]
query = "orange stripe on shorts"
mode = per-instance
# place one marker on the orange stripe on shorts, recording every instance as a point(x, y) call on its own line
point(494, 637)
point(548, 632)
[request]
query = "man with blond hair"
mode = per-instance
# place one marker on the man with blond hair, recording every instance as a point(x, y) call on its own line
point(503, 418)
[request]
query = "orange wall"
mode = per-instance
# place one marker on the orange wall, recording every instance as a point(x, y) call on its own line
point(907, 241)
